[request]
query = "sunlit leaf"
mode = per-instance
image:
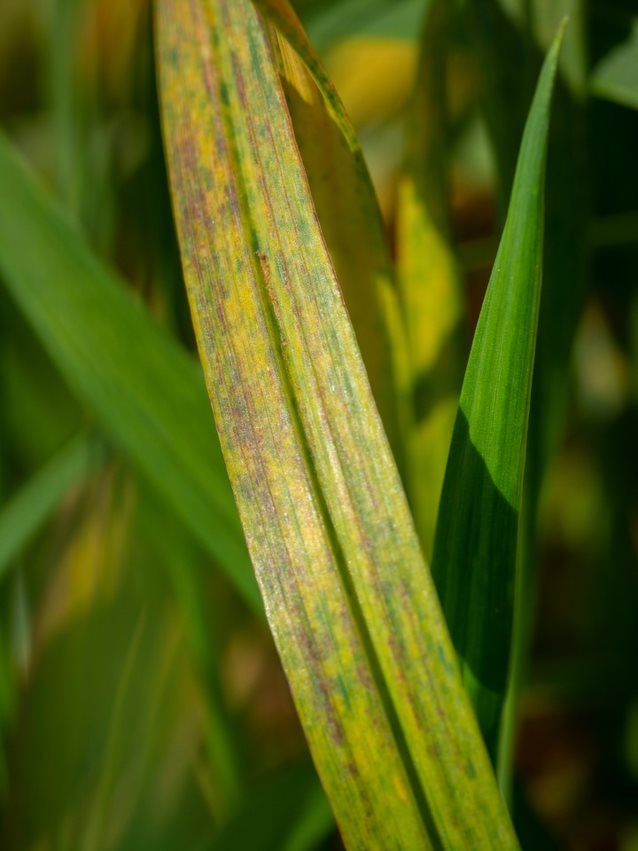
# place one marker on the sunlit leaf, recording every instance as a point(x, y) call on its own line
point(349, 599)
point(351, 225)
point(476, 537)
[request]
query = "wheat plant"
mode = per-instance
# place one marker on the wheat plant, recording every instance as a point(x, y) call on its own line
point(318, 441)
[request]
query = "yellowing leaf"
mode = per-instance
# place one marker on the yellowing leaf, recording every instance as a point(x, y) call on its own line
point(352, 228)
point(348, 596)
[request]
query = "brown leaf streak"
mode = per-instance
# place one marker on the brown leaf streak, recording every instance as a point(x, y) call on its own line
point(265, 270)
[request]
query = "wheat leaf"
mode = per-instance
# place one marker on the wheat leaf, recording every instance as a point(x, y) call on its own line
point(476, 537)
point(348, 596)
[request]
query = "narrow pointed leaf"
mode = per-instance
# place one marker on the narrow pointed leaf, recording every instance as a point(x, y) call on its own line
point(351, 223)
point(178, 553)
point(512, 57)
point(25, 513)
point(349, 599)
point(144, 390)
point(476, 538)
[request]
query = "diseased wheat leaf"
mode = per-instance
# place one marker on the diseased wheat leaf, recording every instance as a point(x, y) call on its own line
point(348, 596)
point(351, 224)
point(476, 537)
point(145, 391)
point(282, 16)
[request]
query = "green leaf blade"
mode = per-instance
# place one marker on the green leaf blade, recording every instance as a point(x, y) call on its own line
point(615, 78)
point(27, 511)
point(476, 538)
point(148, 394)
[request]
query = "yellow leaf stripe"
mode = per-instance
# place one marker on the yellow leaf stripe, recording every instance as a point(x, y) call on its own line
point(351, 224)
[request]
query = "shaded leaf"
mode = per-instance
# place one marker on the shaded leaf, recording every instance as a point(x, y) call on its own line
point(476, 537)
point(513, 62)
point(184, 562)
point(263, 824)
point(328, 23)
point(615, 77)
point(25, 513)
point(144, 390)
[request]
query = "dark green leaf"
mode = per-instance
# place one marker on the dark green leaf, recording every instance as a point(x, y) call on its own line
point(476, 538)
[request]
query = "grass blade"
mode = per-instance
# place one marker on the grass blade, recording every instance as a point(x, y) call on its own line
point(514, 64)
point(96, 826)
point(186, 568)
point(349, 599)
point(28, 510)
point(148, 394)
point(327, 24)
point(615, 78)
point(476, 538)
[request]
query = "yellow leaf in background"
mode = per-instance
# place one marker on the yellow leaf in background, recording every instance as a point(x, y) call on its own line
point(374, 76)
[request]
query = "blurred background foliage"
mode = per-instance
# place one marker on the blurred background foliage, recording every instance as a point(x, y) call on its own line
point(141, 701)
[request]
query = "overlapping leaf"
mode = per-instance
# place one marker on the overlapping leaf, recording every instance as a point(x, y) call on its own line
point(352, 228)
point(349, 599)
